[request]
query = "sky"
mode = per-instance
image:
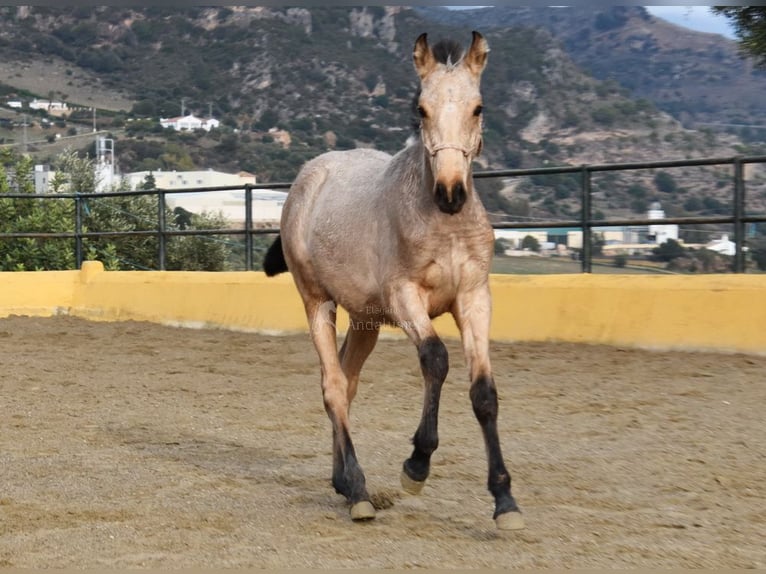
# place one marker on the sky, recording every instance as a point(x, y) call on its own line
point(694, 17)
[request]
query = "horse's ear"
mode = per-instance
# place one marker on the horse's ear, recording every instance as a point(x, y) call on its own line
point(476, 58)
point(423, 57)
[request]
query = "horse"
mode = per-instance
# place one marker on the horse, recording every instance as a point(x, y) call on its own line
point(399, 240)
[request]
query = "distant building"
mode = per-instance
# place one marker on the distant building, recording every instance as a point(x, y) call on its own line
point(43, 176)
point(105, 174)
point(724, 246)
point(659, 234)
point(266, 210)
point(190, 123)
point(186, 179)
point(267, 204)
point(52, 107)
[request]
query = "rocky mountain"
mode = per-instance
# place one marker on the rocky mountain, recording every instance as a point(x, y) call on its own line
point(700, 78)
point(288, 83)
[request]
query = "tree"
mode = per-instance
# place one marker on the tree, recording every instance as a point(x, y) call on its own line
point(31, 215)
point(107, 213)
point(750, 27)
point(693, 204)
point(149, 182)
point(530, 242)
point(74, 173)
point(758, 252)
point(123, 213)
point(182, 218)
point(665, 182)
point(597, 242)
point(668, 251)
point(200, 252)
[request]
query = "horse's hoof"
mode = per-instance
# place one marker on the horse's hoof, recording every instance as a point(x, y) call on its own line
point(363, 510)
point(411, 486)
point(510, 521)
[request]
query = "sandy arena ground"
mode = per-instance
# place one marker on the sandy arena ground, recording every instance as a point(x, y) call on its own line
point(137, 445)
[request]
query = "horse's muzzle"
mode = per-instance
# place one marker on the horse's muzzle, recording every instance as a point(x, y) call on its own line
point(450, 200)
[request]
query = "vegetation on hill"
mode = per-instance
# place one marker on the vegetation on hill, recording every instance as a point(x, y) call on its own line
point(750, 26)
point(337, 78)
point(700, 78)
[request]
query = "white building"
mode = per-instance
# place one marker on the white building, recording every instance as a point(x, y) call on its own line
point(659, 234)
point(43, 177)
point(186, 179)
point(267, 204)
point(571, 238)
point(106, 177)
point(52, 107)
point(190, 123)
point(724, 246)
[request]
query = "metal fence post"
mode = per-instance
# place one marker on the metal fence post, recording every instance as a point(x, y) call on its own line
point(587, 255)
point(248, 227)
point(161, 228)
point(78, 256)
point(739, 212)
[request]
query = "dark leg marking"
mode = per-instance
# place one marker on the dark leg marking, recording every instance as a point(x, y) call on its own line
point(434, 363)
point(347, 476)
point(484, 401)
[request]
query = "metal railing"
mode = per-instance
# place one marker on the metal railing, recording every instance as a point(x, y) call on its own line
point(586, 223)
point(162, 232)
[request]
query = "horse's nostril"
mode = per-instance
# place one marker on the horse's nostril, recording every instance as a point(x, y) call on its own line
point(450, 199)
point(458, 192)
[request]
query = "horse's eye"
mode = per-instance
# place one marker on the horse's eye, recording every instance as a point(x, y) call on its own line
point(422, 112)
point(478, 110)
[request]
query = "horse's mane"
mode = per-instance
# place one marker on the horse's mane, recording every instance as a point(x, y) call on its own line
point(448, 52)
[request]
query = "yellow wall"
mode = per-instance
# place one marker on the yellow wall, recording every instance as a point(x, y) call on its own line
point(706, 312)
point(37, 294)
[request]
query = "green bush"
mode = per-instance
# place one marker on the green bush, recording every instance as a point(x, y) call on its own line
point(665, 182)
point(530, 242)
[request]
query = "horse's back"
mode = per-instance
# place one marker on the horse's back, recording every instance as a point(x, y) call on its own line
point(330, 208)
point(339, 172)
point(330, 185)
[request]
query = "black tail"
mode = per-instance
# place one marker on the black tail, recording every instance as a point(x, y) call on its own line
point(274, 262)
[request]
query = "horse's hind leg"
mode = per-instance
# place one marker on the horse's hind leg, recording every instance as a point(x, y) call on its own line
point(348, 477)
point(359, 343)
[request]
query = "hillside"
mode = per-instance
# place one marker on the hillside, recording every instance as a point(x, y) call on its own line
point(697, 77)
point(335, 78)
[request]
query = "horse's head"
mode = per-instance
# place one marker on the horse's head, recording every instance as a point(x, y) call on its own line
point(449, 107)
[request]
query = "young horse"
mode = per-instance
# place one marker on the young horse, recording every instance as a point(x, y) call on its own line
point(400, 240)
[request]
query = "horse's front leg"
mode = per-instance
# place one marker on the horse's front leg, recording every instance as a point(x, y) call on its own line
point(412, 317)
point(472, 312)
point(347, 476)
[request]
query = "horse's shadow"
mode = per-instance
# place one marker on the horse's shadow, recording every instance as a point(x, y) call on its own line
point(297, 478)
point(206, 452)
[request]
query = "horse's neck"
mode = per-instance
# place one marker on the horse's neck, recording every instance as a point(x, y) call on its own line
point(410, 177)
